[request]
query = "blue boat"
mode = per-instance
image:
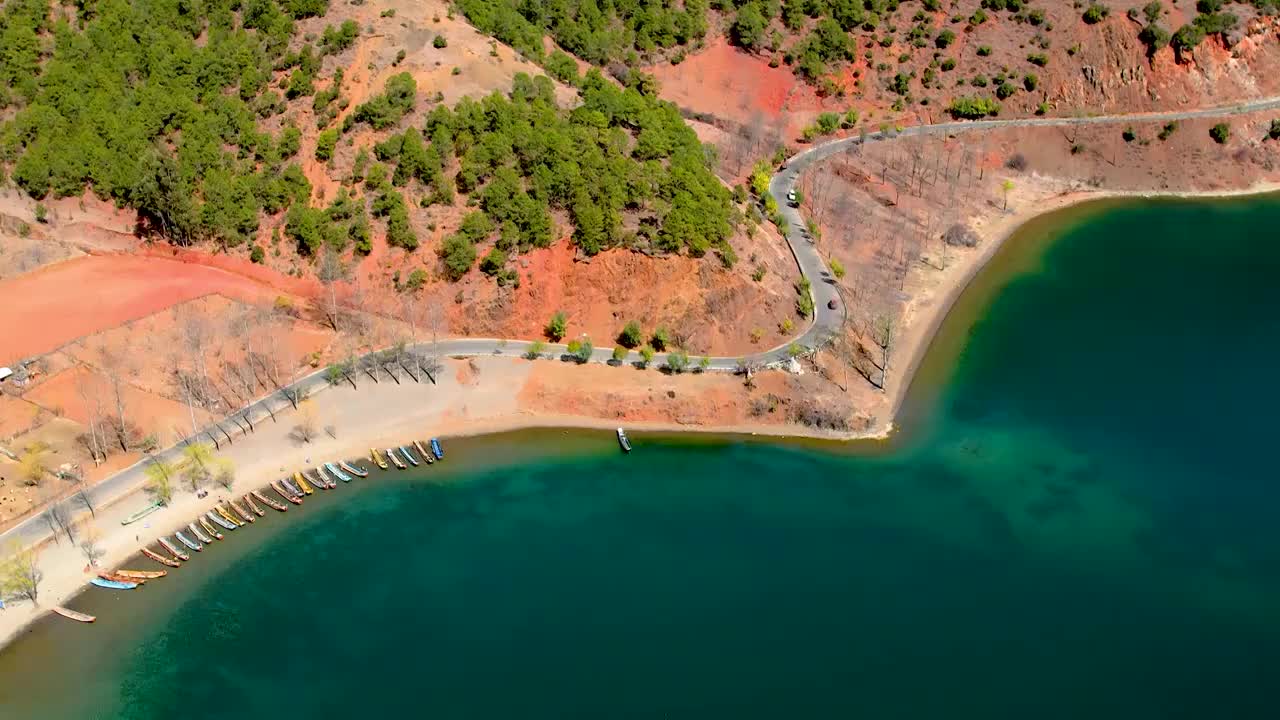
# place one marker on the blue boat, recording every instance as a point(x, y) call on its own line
point(353, 469)
point(291, 486)
point(333, 470)
point(219, 520)
point(436, 449)
point(409, 456)
point(112, 584)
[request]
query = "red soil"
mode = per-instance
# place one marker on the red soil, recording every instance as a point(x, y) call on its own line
point(50, 307)
point(146, 410)
point(725, 81)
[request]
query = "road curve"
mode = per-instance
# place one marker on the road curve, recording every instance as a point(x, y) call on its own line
point(826, 319)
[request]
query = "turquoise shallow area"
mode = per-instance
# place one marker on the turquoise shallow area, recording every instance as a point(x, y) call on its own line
point(1080, 524)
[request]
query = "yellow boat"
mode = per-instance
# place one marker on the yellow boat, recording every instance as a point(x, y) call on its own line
point(377, 458)
point(302, 483)
point(228, 516)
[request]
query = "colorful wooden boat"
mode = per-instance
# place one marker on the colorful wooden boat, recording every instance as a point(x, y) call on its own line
point(199, 534)
point(112, 584)
point(353, 469)
point(269, 502)
point(141, 574)
point(229, 516)
point(140, 514)
point(160, 558)
point(335, 472)
point(209, 528)
point(248, 500)
point(117, 577)
point(319, 479)
point(216, 516)
point(395, 459)
point(436, 449)
point(288, 495)
point(408, 456)
point(242, 512)
point(377, 458)
point(173, 549)
point(300, 481)
point(188, 541)
point(424, 452)
point(73, 615)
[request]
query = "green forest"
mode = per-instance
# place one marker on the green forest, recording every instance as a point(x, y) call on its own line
point(129, 104)
point(520, 156)
point(158, 107)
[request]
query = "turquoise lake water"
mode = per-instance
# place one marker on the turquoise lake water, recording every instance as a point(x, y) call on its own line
point(1082, 522)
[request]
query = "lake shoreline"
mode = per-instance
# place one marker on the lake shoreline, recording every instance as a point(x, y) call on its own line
point(392, 420)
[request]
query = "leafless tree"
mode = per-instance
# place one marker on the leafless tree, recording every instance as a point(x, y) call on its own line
point(331, 271)
point(90, 392)
point(118, 367)
point(58, 518)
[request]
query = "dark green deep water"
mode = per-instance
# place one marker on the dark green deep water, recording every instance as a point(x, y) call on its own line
point(1080, 522)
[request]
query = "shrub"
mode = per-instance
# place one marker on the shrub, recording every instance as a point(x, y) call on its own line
point(960, 236)
point(1128, 134)
point(325, 145)
point(631, 335)
point(439, 42)
point(948, 65)
point(1030, 81)
point(1096, 13)
point(416, 280)
point(257, 254)
point(1169, 129)
point(984, 50)
point(944, 39)
point(646, 356)
point(1006, 90)
point(556, 326)
point(677, 361)
point(661, 339)
point(619, 353)
point(1016, 161)
point(1038, 59)
point(493, 262)
point(1274, 131)
point(1220, 133)
point(973, 108)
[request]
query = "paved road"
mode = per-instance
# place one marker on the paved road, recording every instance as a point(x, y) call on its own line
point(826, 319)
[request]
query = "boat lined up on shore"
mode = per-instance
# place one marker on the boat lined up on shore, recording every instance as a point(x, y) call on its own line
point(395, 459)
point(268, 501)
point(209, 528)
point(73, 615)
point(234, 513)
point(354, 469)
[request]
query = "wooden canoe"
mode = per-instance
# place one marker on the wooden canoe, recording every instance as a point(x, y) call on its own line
point(395, 459)
point(377, 458)
point(141, 574)
point(424, 452)
point(117, 577)
point(236, 522)
point(73, 615)
point(353, 469)
point(160, 558)
point(269, 502)
point(285, 494)
point(209, 528)
point(113, 584)
point(248, 516)
point(217, 519)
point(248, 500)
point(321, 482)
point(173, 550)
point(200, 534)
point(301, 482)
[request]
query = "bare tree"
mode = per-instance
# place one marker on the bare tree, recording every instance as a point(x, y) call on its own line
point(90, 394)
point(330, 272)
point(58, 517)
point(308, 422)
point(118, 367)
point(91, 545)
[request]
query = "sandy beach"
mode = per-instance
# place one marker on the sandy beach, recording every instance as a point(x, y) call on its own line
point(488, 394)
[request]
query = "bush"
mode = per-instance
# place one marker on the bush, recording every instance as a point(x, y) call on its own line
point(556, 326)
point(1038, 59)
point(646, 356)
point(1169, 129)
point(1006, 90)
point(973, 108)
point(944, 39)
point(1030, 81)
point(1220, 133)
point(1096, 13)
point(416, 280)
point(439, 42)
point(631, 335)
point(1016, 161)
point(661, 339)
point(459, 254)
point(1274, 131)
point(493, 262)
point(1128, 134)
point(325, 145)
point(619, 353)
point(948, 65)
point(677, 361)
point(984, 50)
point(257, 254)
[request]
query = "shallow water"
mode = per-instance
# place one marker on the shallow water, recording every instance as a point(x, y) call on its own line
point(1081, 523)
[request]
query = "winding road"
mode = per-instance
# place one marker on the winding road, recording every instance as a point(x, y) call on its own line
point(827, 319)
